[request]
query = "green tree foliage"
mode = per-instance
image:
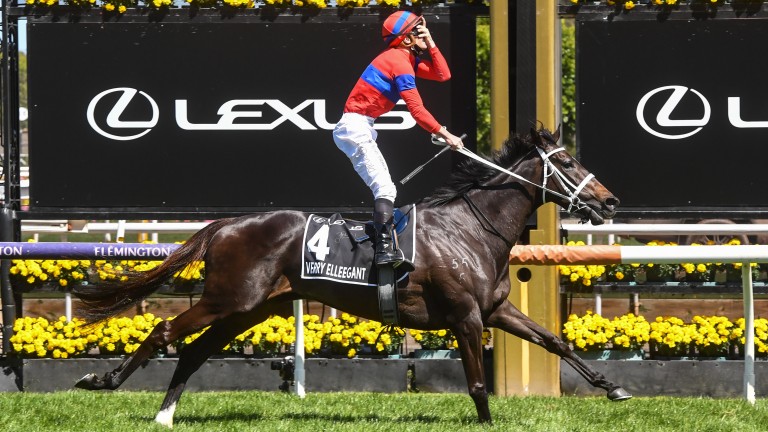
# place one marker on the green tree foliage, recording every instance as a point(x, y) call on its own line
point(483, 81)
point(22, 84)
point(23, 99)
point(569, 84)
point(22, 79)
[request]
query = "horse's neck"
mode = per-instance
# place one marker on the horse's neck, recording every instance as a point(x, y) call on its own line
point(507, 208)
point(495, 215)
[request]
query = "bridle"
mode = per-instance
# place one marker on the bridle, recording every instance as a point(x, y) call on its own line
point(574, 203)
point(550, 170)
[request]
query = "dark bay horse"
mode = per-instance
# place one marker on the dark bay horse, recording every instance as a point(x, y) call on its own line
point(253, 265)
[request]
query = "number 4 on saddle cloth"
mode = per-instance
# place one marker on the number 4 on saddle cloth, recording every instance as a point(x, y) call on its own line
point(342, 250)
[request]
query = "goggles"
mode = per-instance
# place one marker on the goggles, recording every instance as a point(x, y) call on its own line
point(410, 27)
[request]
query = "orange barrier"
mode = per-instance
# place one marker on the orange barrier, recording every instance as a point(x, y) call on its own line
point(569, 255)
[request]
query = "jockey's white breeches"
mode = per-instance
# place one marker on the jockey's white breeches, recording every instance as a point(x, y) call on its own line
point(356, 137)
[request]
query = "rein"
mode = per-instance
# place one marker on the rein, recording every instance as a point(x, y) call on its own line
point(575, 204)
point(479, 214)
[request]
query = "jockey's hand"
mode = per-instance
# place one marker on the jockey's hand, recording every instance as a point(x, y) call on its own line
point(422, 32)
point(452, 140)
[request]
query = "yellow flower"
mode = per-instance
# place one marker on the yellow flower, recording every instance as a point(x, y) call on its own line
point(588, 331)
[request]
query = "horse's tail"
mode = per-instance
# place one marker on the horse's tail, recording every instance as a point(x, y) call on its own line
point(105, 301)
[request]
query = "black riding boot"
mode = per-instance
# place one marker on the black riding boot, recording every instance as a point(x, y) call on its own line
point(386, 252)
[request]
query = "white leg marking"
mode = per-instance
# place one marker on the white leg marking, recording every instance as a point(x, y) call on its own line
point(165, 417)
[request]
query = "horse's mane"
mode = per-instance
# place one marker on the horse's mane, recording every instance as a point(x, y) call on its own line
point(470, 173)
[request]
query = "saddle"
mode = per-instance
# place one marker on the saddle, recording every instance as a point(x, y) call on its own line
point(342, 250)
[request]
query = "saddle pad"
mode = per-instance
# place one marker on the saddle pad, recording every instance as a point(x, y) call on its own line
point(341, 250)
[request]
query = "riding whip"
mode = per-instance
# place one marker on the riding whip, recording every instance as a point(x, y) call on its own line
point(436, 141)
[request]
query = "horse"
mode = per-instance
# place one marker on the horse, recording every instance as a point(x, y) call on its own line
point(253, 266)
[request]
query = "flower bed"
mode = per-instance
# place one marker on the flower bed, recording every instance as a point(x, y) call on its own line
point(120, 6)
point(30, 274)
point(345, 336)
point(656, 5)
point(665, 337)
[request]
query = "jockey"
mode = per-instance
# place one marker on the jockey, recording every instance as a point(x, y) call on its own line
point(391, 76)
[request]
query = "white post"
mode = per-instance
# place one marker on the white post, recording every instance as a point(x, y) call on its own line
point(107, 235)
point(611, 237)
point(68, 305)
point(749, 333)
point(298, 373)
point(599, 303)
point(155, 237)
point(120, 236)
point(636, 303)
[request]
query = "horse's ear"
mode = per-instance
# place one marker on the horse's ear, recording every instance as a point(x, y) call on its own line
point(556, 135)
point(535, 136)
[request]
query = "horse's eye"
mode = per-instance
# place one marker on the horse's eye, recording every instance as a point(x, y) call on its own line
point(568, 164)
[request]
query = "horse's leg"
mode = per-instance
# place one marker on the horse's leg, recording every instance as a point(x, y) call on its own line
point(469, 335)
point(190, 321)
point(195, 354)
point(509, 319)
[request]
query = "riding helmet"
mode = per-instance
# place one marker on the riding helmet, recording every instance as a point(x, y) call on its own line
point(397, 26)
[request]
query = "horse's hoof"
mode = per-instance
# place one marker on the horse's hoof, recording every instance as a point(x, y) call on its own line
point(619, 394)
point(87, 382)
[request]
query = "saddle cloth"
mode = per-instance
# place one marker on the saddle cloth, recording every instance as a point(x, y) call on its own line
point(342, 250)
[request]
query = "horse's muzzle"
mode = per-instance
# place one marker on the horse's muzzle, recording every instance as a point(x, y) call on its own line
point(609, 206)
point(598, 212)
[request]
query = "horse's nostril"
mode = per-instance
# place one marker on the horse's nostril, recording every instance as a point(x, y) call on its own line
point(612, 202)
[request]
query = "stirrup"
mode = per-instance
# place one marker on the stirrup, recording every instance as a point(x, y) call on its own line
point(395, 258)
point(405, 265)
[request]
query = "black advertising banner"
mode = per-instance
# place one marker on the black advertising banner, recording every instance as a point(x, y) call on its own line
point(674, 114)
point(217, 116)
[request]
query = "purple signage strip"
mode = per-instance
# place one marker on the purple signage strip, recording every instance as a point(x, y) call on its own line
point(136, 251)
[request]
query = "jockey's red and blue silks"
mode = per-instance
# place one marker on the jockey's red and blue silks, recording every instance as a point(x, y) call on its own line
point(391, 76)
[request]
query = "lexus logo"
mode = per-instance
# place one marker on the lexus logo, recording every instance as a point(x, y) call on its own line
point(662, 118)
point(232, 115)
point(113, 118)
point(678, 93)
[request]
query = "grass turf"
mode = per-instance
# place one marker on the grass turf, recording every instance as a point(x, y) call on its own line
point(262, 411)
